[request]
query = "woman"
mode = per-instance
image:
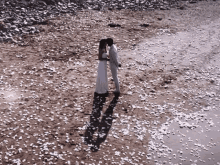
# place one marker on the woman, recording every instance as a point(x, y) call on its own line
point(102, 80)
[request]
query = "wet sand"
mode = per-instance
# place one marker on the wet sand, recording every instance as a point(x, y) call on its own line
point(187, 86)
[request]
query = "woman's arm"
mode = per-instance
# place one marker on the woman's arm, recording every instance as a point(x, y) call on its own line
point(101, 51)
point(100, 55)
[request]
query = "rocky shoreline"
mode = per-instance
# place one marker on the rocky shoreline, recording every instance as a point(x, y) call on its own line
point(19, 18)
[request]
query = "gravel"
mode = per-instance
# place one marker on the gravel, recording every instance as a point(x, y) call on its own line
point(18, 18)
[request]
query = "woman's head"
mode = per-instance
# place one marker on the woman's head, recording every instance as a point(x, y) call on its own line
point(102, 44)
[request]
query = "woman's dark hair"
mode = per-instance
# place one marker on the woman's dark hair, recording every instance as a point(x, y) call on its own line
point(102, 44)
point(109, 41)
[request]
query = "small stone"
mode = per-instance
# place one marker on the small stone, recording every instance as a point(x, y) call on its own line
point(8, 39)
point(17, 30)
point(2, 27)
point(181, 8)
point(164, 8)
point(114, 25)
point(192, 1)
point(145, 25)
point(42, 3)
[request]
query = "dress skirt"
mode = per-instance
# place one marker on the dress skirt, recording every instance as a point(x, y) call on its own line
point(102, 79)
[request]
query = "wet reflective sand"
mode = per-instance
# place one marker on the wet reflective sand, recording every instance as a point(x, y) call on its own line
point(190, 139)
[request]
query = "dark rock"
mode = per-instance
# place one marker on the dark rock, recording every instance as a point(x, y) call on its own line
point(114, 25)
point(144, 25)
point(181, 7)
point(13, 27)
point(119, 7)
point(8, 39)
point(164, 7)
point(97, 7)
point(44, 22)
point(192, 1)
point(50, 2)
point(3, 27)
point(41, 3)
point(24, 31)
point(16, 22)
point(212, 81)
point(9, 19)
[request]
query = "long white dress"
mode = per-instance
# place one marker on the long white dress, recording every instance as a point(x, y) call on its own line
point(102, 79)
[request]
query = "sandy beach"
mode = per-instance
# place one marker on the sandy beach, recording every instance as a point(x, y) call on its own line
point(169, 83)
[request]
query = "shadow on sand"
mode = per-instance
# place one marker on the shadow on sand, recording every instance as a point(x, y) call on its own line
point(104, 126)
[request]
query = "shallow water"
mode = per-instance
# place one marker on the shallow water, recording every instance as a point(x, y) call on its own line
point(184, 144)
